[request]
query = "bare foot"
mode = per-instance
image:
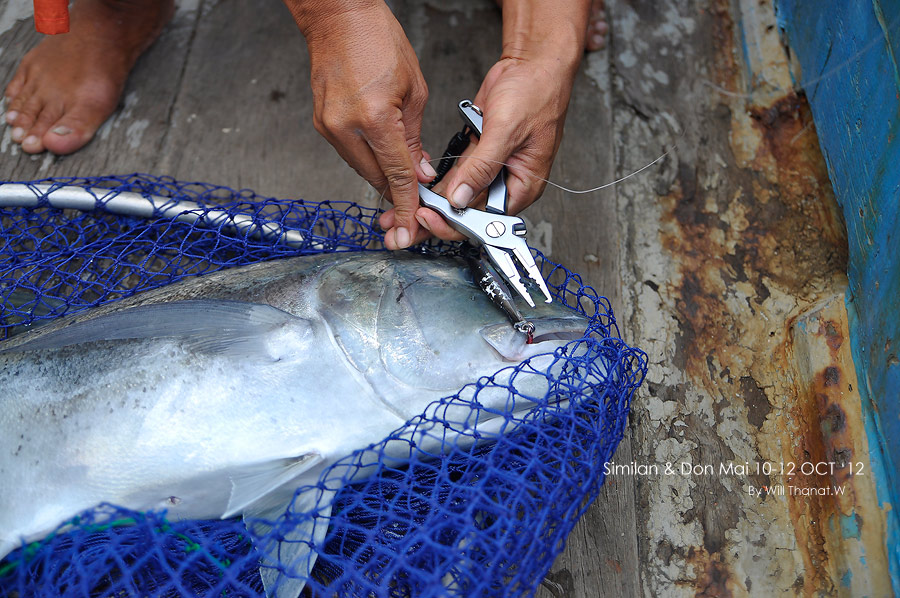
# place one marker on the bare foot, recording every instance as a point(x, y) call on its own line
point(597, 27)
point(67, 86)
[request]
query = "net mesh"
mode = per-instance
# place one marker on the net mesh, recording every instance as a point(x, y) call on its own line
point(483, 517)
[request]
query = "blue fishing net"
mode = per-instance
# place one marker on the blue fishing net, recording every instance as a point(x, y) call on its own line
point(484, 517)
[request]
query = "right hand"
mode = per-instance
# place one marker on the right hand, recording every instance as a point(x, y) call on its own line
point(369, 98)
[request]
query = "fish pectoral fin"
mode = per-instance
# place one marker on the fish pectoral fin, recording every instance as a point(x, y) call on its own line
point(288, 557)
point(211, 326)
point(251, 485)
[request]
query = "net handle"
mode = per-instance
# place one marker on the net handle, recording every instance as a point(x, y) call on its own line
point(129, 203)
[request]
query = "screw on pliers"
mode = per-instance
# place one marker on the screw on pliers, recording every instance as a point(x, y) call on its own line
point(500, 235)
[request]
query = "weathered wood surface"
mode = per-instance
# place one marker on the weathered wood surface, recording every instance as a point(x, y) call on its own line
point(727, 245)
point(708, 257)
point(223, 96)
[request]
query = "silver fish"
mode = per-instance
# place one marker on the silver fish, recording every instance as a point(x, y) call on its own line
point(221, 395)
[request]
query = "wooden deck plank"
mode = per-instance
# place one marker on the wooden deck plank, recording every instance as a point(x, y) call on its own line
point(243, 116)
point(725, 244)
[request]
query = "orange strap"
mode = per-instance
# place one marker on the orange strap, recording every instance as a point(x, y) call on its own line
point(51, 16)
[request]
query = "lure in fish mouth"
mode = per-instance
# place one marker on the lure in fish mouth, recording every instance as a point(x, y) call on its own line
point(221, 395)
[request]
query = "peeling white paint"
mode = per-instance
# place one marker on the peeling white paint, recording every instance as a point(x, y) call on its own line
point(659, 76)
point(105, 129)
point(135, 132)
point(130, 101)
point(47, 162)
point(596, 67)
point(13, 12)
point(627, 59)
point(185, 7)
point(660, 410)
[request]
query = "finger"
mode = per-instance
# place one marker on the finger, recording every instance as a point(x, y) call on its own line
point(386, 220)
point(393, 157)
point(412, 114)
point(426, 171)
point(475, 172)
point(522, 191)
point(432, 223)
point(435, 224)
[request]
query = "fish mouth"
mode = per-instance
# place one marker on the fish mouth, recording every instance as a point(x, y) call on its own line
point(561, 335)
point(559, 329)
point(549, 333)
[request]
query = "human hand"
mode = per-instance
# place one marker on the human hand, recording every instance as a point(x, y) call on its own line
point(524, 98)
point(368, 101)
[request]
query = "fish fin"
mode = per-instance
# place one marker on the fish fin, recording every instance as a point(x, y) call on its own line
point(218, 327)
point(253, 483)
point(287, 560)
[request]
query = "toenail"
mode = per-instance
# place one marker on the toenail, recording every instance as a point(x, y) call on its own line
point(597, 39)
point(61, 130)
point(11, 116)
point(17, 134)
point(31, 140)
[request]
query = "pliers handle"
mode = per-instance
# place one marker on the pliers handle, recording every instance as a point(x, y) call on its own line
point(502, 236)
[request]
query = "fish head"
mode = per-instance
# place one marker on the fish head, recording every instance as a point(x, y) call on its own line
point(415, 324)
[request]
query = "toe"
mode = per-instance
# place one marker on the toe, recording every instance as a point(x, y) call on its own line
point(595, 41)
point(26, 108)
point(597, 30)
point(14, 88)
point(33, 142)
point(14, 107)
point(73, 130)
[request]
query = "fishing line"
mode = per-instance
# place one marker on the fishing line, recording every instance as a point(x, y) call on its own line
point(564, 188)
point(548, 181)
point(803, 86)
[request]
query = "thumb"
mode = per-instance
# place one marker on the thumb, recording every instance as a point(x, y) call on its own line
point(476, 171)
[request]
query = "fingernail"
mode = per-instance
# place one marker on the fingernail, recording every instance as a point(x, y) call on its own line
point(427, 168)
point(401, 237)
point(31, 140)
point(61, 130)
point(11, 116)
point(17, 134)
point(463, 196)
point(423, 223)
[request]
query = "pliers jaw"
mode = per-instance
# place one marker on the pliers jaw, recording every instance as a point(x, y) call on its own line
point(502, 236)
